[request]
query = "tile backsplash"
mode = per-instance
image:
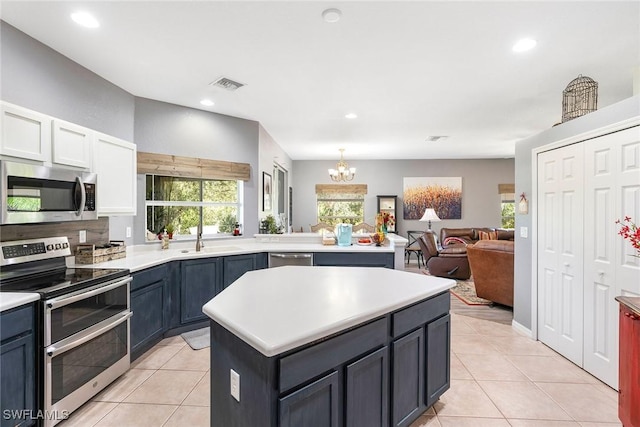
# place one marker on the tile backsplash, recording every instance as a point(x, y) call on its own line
point(97, 231)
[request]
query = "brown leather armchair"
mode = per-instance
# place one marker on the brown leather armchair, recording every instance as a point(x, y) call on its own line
point(450, 262)
point(491, 263)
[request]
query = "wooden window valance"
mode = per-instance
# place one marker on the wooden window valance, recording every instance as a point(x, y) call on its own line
point(191, 167)
point(341, 188)
point(506, 188)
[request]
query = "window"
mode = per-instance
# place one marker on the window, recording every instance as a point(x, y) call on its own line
point(340, 203)
point(507, 205)
point(508, 209)
point(183, 204)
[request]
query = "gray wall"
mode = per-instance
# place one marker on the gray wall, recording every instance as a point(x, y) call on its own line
point(37, 77)
point(171, 129)
point(523, 163)
point(480, 179)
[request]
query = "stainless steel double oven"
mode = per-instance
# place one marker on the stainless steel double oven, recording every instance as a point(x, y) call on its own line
point(83, 325)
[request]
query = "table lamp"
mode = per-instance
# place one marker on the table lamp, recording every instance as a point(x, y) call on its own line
point(430, 215)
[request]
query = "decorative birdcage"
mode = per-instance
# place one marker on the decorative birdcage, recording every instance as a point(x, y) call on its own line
point(579, 98)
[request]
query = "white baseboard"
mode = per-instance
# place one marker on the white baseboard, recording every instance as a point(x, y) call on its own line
point(521, 329)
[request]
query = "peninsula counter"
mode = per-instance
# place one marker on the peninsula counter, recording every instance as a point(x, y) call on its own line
point(313, 346)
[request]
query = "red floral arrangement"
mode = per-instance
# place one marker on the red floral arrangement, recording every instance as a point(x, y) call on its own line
point(386, 218)
point(630, 232)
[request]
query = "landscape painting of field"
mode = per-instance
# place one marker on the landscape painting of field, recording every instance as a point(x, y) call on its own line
point(444, 194)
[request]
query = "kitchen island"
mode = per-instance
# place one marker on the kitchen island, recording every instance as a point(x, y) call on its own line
point(316, 346)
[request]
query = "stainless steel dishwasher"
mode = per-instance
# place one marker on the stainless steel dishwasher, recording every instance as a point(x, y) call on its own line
point(290, 258)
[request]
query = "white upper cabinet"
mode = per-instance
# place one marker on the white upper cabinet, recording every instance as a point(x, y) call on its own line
point(115, 162)
point(34, 136)
point(25, 134)
point(71, 144)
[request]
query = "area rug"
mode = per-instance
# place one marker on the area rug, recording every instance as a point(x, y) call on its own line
point(465, 291)
point(198, 339)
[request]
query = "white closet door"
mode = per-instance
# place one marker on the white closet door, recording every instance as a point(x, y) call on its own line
point(628, 265)
point(612, 191)
point(560, 250)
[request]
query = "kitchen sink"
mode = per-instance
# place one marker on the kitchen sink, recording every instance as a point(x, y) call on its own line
point(212, 249)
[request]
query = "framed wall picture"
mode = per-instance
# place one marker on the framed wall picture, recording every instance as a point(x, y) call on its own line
point(443, 194)
point(266, 191)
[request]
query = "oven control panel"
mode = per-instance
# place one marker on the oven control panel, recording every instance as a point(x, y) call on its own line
point(19, 251)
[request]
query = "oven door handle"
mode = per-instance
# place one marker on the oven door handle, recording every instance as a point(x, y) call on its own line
point(52, 304)
point(89, 334)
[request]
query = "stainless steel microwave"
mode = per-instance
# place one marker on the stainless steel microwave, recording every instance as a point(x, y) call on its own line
point(32, 193)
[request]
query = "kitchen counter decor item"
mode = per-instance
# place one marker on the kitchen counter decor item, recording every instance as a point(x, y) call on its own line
point(95, 253)
point(378, 238)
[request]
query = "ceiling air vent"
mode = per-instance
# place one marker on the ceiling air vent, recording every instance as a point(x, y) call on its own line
point(435, 138)
point(227, 84)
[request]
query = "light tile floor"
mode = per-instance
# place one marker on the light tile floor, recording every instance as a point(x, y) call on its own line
point(498, 378)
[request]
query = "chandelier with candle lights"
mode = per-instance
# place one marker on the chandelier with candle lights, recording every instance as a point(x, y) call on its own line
point(342, 172)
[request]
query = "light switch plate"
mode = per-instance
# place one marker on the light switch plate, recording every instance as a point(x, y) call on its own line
point(524, 232)
point(235, 385)
point(128, 232)
point(82, 236)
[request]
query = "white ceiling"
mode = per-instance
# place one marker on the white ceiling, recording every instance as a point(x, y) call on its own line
point(408, 69)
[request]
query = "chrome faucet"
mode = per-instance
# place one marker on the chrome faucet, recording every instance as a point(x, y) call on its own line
point(199, 244)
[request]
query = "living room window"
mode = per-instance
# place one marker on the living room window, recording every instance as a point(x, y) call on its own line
point(340, 203)
point(183, 204)
point(507, 205)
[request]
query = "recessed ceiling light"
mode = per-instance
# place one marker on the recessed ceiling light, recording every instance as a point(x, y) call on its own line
point(523, 45)
point(207, 102)
point(351, 116)
point(331, 15)
point(85, 19)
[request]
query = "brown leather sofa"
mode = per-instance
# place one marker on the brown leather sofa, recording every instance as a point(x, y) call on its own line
point(491, 263)
point(470, 235)
point(444, 262)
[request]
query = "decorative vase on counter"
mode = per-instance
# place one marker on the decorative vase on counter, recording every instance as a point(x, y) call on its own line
point(378, 238)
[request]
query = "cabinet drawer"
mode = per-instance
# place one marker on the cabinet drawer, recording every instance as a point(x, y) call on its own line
point(420, 313)
point(313, 361)
point(148, 276)
point(16, 321)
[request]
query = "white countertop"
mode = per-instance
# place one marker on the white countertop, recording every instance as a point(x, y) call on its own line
point(9, 300)
point(279, 309)
point(148, 255)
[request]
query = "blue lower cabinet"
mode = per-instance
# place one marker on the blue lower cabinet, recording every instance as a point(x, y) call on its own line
point(17, 373)
point(316, 405)
point(149, 320)
point(367, 393)
point(236, 265)
point(385, 372)
point(151, 306)
point(408, 378)
point(201, 281)
point(438, 373)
